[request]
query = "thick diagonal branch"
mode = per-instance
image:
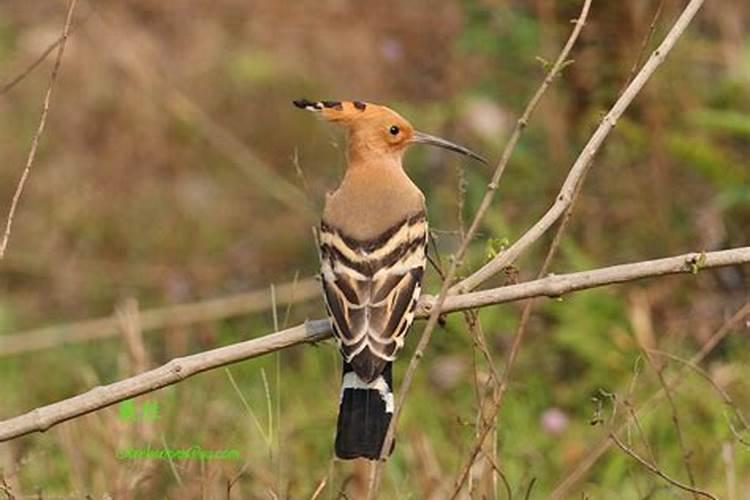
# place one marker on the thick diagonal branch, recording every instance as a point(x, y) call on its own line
point(565, 196)
point(179, 369)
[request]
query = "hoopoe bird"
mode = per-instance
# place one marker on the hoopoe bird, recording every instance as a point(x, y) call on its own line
point(373, 244)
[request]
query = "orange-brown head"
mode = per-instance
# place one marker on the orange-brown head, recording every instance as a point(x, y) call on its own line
point(375, 131)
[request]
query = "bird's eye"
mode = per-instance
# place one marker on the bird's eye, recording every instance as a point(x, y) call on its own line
point(394, 130)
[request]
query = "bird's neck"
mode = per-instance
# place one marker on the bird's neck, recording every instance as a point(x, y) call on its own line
point(375, 166)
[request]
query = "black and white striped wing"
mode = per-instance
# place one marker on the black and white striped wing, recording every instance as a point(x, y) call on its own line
point(371, 290)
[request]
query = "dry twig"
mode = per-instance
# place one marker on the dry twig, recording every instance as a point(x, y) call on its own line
point(39, 130)
point(648, 465)
point(675, 415)
point(562, 490)
point(8, 86)
point(726, 398)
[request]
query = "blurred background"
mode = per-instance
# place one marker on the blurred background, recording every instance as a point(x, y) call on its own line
point(174, 170)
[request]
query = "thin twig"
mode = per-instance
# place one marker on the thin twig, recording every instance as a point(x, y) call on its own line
point(506, 484)
point(6, 87)
point(266, 437)
point(277, 376)
point(303, 178)
point(562, 490)
point(566, 219)
point(513, 353)
point(658, 471)
point(292, 298)
point(633, 414)
point(39, 131)
point(10, 84)
point(471, 319)
point(675, 415)
point(233, 480)
point(727, 456)
point(170, 460)
point(644, 45)
point(461, 202)
point(515, 346)
point(466, 240)
point(319, 489)
point(496, 403)
point(130, 325)
point(726, 398)
point(530, 488)
point(179, 369)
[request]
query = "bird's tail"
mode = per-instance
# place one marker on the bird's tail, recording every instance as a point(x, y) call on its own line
point(365, 413)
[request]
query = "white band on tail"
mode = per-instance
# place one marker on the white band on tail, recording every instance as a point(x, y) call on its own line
point(352, 381)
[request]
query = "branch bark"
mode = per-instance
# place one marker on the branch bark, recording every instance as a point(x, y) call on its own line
point(179, 369)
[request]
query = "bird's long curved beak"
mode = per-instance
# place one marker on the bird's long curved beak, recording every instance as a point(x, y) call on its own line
point(422, 138)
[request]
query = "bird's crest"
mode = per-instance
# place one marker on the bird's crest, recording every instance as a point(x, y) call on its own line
point(343, 111)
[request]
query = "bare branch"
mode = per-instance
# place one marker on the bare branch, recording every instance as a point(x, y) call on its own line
point(179, 369)
point(565, 196)
point(155, 319)
point(170, 373)
point(558, 285)
point(39, 131)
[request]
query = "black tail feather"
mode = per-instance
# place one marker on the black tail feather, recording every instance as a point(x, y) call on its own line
point(364, 415)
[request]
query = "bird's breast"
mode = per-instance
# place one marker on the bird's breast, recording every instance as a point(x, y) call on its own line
point(366, 206)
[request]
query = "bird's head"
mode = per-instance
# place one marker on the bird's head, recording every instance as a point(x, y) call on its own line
point(376, 131)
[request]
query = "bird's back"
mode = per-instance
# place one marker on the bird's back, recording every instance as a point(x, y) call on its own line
point(373, 251)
